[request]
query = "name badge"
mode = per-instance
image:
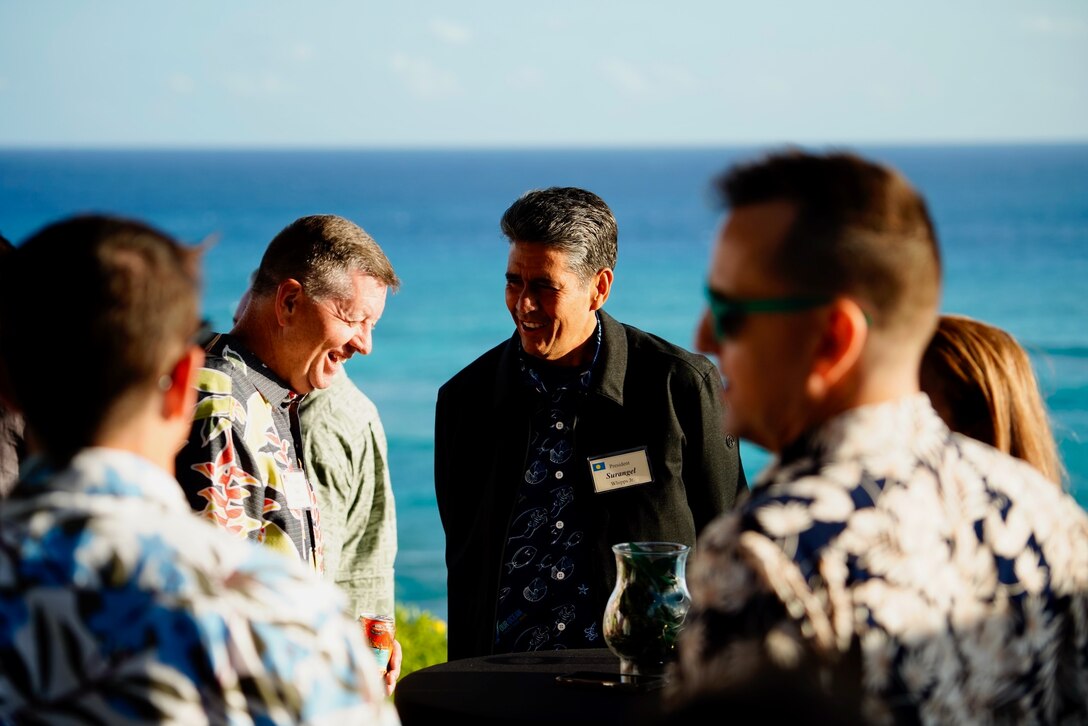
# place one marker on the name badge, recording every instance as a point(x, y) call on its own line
point(297, 490)
point(620, 470)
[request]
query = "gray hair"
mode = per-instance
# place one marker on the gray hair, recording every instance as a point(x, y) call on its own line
point(319, 251)
point(569, 219)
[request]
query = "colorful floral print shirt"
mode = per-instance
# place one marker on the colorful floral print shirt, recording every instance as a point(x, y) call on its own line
point(242, 466)
point(118, 605)
point(957, 575)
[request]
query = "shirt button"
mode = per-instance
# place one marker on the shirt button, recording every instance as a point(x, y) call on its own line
point(559, 575)
point(560, 626)
point(559, 425)
point(559, 524)
point(558, 475)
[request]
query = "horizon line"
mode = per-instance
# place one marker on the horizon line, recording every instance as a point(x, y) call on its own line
point(522, 147)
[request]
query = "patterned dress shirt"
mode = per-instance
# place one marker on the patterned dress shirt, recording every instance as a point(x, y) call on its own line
point(347, 457)
point(950, 579)
point(544, 600)
point(242, 466)
point(118, 606)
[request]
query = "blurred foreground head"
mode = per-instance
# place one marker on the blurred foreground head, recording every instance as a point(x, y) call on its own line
point(96, 314)
point(982, 383)
point(823, 291)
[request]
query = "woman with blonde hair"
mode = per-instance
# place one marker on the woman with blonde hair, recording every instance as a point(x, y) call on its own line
point(982, 384)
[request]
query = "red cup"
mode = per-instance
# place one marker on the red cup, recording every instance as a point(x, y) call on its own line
point(380, 631)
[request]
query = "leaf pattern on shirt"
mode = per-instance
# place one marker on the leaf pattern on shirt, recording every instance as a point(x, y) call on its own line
point(118, 605)
point(959, 574)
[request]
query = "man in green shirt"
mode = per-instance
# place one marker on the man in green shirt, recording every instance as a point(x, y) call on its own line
point(345, 449)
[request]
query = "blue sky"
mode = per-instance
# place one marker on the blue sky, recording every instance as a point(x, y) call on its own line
point(562, 73)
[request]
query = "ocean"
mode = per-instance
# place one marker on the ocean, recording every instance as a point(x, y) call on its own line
point(1012, 220)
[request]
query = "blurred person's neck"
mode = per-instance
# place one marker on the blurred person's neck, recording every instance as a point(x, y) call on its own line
point(145, 433)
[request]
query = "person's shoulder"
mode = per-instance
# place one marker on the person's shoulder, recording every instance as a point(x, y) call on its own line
point(342, 410)
point(224, 371)
point(342, 394)
point(648, 346)
point(196, 554)
point(483, 368)
point(1020, 485)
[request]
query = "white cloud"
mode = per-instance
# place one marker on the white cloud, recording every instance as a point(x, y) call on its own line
point(1059, 27)
point(676, 78)
point(302, 52)
point(626, 77)
point(181, 84)
point(527, 76)
point(423, 78)
point(450, 31)
point(255, 86)
point(641, 81)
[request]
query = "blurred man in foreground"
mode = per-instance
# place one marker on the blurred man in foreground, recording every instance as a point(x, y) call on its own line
point(929, 575)
point(118, 604)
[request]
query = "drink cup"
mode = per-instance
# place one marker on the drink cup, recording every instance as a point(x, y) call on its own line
point(379, 630)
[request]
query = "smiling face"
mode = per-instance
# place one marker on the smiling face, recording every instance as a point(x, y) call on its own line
point(554, 309)
point(320, 334)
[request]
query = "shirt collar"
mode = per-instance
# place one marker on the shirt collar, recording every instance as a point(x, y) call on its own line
point(105, 471)
point(904, 426)
point(274, 389)
point(542, 383)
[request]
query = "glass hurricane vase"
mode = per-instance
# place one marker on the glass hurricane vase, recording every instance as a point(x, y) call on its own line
point(648, 605)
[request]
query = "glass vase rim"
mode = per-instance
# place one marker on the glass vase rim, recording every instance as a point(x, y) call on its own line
point(650, 548)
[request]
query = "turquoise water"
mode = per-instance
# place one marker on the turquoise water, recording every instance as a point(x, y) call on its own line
point(1013, 223)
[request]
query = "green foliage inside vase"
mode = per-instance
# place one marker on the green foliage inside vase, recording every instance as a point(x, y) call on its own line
point(647, 609)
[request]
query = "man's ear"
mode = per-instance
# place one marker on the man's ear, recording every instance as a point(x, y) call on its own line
point(288, 295)
point(180, 398)
point(602, 288)
point(839, 348)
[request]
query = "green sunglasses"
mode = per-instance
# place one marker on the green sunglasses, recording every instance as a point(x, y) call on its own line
point(729, 313)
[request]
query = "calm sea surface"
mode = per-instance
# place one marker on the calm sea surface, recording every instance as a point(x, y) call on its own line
point(1013, 223)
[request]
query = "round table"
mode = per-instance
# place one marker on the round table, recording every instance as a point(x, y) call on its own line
point(522, 688)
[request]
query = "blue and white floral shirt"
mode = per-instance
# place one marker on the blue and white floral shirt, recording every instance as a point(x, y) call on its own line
point(119, 605)
point(956, 575)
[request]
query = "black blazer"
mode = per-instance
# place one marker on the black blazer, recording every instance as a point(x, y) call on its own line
point(649, 393)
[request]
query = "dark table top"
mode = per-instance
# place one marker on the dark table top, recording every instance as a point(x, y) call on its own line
point(522, 688)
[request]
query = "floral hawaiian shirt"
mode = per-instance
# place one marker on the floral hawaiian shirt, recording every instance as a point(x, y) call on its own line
point(959, 574)
point(117, 606)
point(242, 466)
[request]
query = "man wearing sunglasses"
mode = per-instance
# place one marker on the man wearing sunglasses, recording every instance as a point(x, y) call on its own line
point(576, 433)
point(911, 572)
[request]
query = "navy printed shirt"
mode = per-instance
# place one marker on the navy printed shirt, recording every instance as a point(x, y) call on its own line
point(544, 599)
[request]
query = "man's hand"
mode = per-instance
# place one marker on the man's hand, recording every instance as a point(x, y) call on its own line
point(392, 671)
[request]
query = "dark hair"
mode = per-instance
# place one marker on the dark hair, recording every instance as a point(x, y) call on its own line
point(93, 311)
point(572, 220)
point(319, 251)
point(860, 230)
